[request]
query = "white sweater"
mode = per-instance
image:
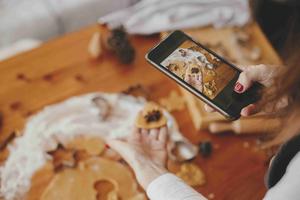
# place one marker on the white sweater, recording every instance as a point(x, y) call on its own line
point(170, 187)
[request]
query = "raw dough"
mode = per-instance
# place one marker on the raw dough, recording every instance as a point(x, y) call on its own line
point(78, 184)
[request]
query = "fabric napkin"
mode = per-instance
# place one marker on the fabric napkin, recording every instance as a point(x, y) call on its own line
point(151, 16)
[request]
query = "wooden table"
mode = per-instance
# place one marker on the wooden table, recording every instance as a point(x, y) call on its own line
point(62, 68)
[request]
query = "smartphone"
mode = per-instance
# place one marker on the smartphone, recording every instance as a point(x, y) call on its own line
point(202, 72)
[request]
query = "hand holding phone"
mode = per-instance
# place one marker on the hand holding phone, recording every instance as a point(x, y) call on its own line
point(204, 73)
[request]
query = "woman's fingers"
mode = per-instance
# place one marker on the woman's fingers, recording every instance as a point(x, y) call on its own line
point(208, 108)
point(144, 135)
point(135, 135)
point(244, 82)
point(247, 77)
point(249, 110)
point(153, 134)
point(163, 135)
point(241, 67)
point(255, 73)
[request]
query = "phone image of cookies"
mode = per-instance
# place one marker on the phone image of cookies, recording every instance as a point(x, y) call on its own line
point(199, 68)
point(202, 72)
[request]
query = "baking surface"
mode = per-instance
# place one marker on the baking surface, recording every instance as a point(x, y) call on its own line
point(62, 68)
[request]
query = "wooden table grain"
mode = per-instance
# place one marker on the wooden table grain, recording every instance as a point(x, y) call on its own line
point(62, 68)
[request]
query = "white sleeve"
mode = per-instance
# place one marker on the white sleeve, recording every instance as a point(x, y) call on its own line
point(170, 187)
point(289, 185)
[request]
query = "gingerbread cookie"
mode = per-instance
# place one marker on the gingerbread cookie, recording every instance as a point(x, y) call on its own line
point(210, 89)
point(151, 117)
point(194, 76)
point(191, 174)
point(177, 67)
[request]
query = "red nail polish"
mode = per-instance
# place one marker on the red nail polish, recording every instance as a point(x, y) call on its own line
point(107, 146)
point(238, 87)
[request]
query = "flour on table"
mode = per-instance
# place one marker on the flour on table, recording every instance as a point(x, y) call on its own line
point(62, 122)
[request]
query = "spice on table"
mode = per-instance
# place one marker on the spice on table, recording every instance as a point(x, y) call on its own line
point(15, 105)
point(120, 44)
point(205, 148)
point(137, 90)
point(48, 77)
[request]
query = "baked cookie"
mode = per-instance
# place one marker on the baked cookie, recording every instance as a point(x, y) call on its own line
point(210, 88)
point(151, 117)
point(177, 67)
point(191, 174)
point(194, 76)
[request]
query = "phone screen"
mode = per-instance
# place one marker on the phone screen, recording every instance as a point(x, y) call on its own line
point(203, 71)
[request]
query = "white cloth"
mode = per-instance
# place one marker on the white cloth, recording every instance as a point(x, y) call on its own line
point(289, 184)
point(60, 123)
point(151, 16)
point(45, 19)
point(18, 47)
point(170, 187)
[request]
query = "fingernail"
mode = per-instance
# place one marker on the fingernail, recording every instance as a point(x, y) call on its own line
point(107, 146)
point(238, 87)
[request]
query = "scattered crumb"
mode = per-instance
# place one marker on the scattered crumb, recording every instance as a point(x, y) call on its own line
point(137, 91)
point(21, 77)
point(256, 149)
point(211, 195)
point(258, 142)
point(15, 105)
point(29, 113)
point(79, 78)
point(216, 146)
point(246, 145)
point(174, 102)
point(48, 77)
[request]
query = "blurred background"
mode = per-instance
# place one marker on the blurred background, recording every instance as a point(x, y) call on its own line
point(25, 24)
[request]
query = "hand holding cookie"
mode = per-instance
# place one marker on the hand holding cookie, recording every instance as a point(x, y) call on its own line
point(145, 151)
